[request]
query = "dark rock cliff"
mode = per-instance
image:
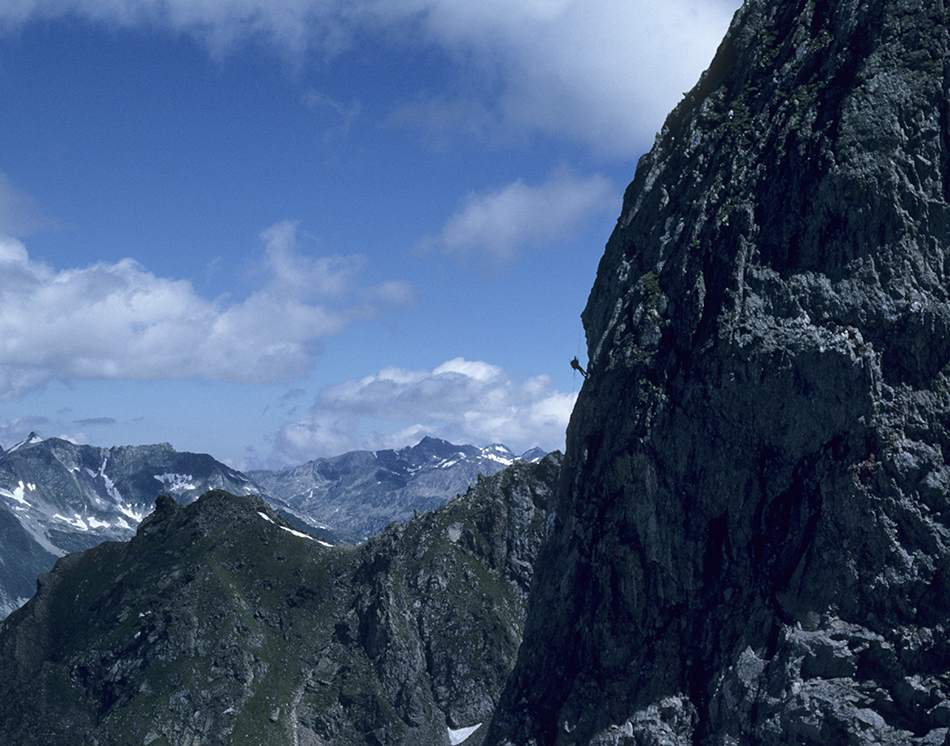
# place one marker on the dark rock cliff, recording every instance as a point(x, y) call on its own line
point(220, 623)
point(752, 535)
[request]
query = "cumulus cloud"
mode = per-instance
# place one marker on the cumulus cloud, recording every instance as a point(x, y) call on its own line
point(497, 225)
point(111, 321)
point(461, 400)
point(603, 73)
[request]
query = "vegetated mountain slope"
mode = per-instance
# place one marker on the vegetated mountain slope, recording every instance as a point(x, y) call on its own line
point(219, 623)
point(360, 492)
point(752, 539)
point(58, 497)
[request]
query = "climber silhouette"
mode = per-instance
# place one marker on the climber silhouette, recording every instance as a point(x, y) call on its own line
point(577, 366)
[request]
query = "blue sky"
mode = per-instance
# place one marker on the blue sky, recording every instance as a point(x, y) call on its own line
point(273, 230)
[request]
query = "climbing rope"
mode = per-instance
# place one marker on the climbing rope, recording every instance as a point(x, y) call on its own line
point(575, 364)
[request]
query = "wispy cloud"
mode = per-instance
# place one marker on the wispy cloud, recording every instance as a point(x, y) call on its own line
point(20, 214)
point(498, 225)
point(112, 321)
point(460, 400)
point(345, 114)
point(95, 422)
point(603, 73)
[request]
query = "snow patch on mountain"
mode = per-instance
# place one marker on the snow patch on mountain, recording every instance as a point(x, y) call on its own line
point(177, 482)
point(18, 493)
point(297, 533)
point(111, 490)
point(458, 735)
point(131, 512)
point(30, 440)
point(77, 522)
point(499, 453)
point(9, 605)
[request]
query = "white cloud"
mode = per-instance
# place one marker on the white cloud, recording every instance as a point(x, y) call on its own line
point(499, 224)
point(603, 73)
point(461, 400)
point(111, 321)
point(346, 114)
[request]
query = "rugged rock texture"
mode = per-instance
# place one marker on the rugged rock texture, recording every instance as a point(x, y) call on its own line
point(752, 542)
point(219, 623)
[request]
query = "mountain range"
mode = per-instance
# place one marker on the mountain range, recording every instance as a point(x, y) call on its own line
point(58, 497)
point(219, 622)
point(360, 492)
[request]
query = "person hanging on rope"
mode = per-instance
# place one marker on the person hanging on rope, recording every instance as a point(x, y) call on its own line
point(577, 366)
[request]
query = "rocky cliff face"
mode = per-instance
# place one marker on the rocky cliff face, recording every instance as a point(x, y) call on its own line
point(752, 541)
point(220, 623)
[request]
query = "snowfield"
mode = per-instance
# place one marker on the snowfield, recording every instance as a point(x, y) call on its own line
point(292, 531)
point(459, 735)
point(177, 482)
point(19, 492)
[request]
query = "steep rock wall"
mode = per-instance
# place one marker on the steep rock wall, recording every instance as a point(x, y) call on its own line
point(751, 539)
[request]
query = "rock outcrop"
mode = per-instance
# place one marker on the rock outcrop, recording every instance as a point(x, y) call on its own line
point(752, 534)
point(220, 623)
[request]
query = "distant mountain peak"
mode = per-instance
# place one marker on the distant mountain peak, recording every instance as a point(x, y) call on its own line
point(58, 497)
point(30, 439)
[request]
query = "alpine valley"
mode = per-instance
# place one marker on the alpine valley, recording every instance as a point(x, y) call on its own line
point(57, 497)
